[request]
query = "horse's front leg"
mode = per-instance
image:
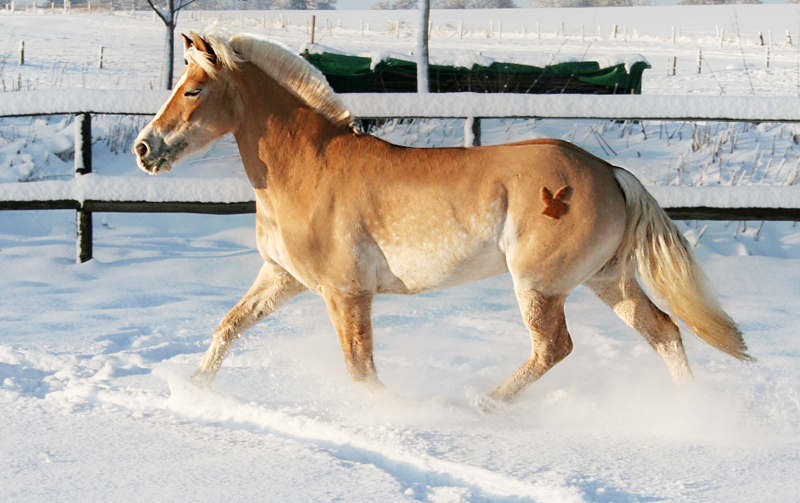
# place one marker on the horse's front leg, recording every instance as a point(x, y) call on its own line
point(351, 316)
point(271, 289)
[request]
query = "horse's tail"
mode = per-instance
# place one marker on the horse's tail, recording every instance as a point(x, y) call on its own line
point(669, 269)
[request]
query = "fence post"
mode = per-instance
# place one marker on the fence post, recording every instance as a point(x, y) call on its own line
point(472, 132)
point(83, 165)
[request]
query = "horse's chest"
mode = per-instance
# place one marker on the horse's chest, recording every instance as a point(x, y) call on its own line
point(311, 252)
point(272, 245)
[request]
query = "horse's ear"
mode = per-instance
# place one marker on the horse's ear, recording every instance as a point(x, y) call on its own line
point(203, 46)
point(187, 42)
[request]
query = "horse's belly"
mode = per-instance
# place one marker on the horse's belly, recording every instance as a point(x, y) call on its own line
point(437, 265)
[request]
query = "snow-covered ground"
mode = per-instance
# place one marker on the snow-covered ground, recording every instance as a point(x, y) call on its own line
point(94, 357)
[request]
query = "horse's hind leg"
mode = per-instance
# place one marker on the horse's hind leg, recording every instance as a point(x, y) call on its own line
point(551, 343)
point(631, 304)
point(273, 287)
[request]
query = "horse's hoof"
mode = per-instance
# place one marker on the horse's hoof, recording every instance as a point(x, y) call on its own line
point(488, 404)
point(202, 379)
point(373, 386)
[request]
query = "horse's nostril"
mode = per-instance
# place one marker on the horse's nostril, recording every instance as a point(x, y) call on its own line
point(142, 149)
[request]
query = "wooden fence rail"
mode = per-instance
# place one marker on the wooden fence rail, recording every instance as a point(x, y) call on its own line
point(85, 103)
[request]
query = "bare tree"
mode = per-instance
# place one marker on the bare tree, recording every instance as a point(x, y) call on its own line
point(397, 5)
point(321, 4)
point(448, 4)
point(588, 3)
point(474, 4)
point(169, 15)
point(305, 4)
point(719, 2)
point(452, 4)
point(494, 4)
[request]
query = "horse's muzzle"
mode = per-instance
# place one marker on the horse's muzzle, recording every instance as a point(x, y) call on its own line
point(148, 160)
point(141, 149)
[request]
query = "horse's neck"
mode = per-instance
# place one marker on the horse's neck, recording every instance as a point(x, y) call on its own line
point(279, 135)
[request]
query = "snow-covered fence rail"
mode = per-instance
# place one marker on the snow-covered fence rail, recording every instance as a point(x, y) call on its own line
point(446, 105)
point(80, 101)
point(576, 106)
point(90, 192)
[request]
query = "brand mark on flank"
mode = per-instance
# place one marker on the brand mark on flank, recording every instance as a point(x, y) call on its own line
point(554, 205)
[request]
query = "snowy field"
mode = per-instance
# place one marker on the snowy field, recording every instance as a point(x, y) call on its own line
point(94, 402)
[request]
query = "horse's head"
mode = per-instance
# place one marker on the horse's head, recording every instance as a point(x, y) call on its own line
point(198, 112)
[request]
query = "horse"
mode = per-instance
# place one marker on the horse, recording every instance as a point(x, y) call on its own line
point(349, 216)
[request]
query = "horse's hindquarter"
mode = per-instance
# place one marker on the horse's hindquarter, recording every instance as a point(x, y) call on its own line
point(566, 215)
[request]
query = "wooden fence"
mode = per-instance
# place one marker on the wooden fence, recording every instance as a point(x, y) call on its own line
point(85, 103)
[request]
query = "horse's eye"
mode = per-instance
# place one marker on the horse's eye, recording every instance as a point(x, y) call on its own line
point(192, 93)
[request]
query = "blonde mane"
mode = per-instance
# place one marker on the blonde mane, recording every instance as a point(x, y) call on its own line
point(276, 60)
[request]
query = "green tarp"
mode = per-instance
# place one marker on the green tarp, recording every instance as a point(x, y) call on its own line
point(353, 74)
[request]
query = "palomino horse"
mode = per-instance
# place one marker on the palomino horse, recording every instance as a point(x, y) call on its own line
point(349, 216)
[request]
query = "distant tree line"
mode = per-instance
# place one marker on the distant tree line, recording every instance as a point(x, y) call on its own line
point(720, 2)
point(507, 4)
point(588, 3)
point(237, 4)
point(447, 4)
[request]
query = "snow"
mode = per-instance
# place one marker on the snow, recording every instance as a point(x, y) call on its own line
point(94, 357)
point(111, 188)
point(777, 109)
point(573, 106)
point(232, 190)
point(66, 101)
point(727, 197)
point(622, 59)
